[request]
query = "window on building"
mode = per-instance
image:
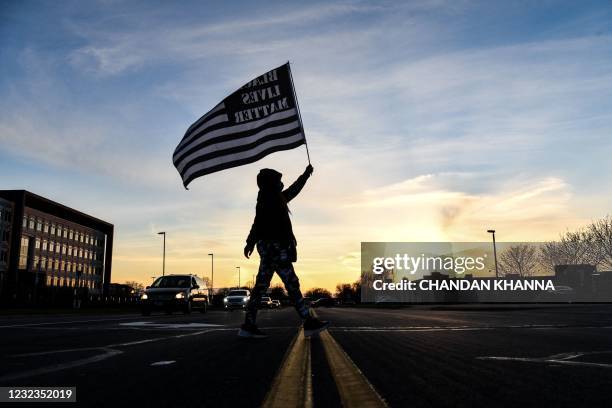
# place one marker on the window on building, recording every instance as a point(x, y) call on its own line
point(43, 263)
point(65, 233)
point(38, 225)
point(37, 243)
point(23, 252)
point(32, 223)
point(45, 245)
point(71, 234)
point(51, 246)
point(6, 234)
point(63, 249)
point(57, 248)
point(3, 255)
point(46, 228)
point(25, 222)
point(52, 229)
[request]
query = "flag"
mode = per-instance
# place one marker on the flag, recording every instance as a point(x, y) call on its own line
point(258, 119)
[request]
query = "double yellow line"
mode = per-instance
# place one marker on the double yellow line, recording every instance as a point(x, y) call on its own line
point(292, 386)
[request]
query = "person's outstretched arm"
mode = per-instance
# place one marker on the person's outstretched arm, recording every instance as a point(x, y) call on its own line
point(295, 188)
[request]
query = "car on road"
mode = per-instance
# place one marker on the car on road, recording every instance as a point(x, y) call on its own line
point(175, 292)
point(276, 303)
point(236, 299)
point(325, 302)
point(266, 302)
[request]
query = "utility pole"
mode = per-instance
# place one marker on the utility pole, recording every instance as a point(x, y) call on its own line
point(212, 273)
point(238, 276)
point(164, 256)
point(492, 231)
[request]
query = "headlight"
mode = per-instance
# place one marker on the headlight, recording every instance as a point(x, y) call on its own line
point(144, 296)
point(180, 295)
point(246, 299)
point(224, 300)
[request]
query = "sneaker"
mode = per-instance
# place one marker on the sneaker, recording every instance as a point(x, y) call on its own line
point(312, 325)
point(250, 330)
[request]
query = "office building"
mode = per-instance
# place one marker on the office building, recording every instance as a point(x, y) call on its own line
point(47, 248)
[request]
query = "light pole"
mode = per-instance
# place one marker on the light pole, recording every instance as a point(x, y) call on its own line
point(492, 232)
point(212, 272)
point(164, 258)
point(238, 276)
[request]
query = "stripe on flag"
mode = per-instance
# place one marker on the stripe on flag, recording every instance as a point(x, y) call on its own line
point(258, 119)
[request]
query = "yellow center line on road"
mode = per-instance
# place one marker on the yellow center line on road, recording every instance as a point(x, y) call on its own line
point(354, 388)
point(292, 386)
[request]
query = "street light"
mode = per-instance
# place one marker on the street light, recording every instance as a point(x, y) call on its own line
point(492, 231)
point(164, 259)
point(238, 276)
point(212, 272)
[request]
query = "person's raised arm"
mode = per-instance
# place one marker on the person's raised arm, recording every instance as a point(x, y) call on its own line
point(295, 188)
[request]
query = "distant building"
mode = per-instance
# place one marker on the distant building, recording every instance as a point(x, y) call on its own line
point(46, 247)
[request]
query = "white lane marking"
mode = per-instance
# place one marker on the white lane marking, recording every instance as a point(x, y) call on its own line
point(108, 353)
point(458, 328)
point(169, 325)
point(559, 359)
point(163, 363)
point(64, 322)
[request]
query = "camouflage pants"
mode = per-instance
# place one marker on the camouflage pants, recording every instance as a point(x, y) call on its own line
point(274, 258)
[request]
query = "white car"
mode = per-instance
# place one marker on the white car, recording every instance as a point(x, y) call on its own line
point(236, 299)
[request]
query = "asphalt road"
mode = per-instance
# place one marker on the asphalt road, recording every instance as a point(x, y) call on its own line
point(419, 356)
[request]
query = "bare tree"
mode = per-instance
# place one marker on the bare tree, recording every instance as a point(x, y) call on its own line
point(519, 259)
point(573, 248)
point(601, 232)
point(137, 286)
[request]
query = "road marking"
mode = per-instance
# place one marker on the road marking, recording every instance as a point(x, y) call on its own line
point(154, 325)
point(63, 322)
point(163, 363)
point(354, 388)
point(461, 328)
point(292, 385)
point(108, 353)
point(559, 359)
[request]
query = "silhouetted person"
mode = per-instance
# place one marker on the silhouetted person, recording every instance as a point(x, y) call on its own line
point(276, 244)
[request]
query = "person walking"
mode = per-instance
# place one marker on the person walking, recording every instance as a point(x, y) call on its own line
point(272, 234)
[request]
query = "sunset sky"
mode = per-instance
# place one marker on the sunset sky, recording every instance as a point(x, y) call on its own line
point(426, 121)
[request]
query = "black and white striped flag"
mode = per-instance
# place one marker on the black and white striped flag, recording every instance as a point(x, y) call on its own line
point(258, 119)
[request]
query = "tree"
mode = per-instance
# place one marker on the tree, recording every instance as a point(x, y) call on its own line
point(344, 291)
point(277, 292)
point(573, 248)
point(318, 293)
point(519, 259)
point(137, 286)
point(601, 232)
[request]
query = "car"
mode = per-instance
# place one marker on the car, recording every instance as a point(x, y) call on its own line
point(236, 299)
point(266, 302)
point(276, 303)
point(175, 292)
point(326, 302)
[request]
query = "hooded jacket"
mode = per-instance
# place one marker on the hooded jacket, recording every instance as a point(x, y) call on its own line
point(272, 220)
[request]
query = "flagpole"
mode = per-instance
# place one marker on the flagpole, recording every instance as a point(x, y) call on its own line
point(297, 105)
